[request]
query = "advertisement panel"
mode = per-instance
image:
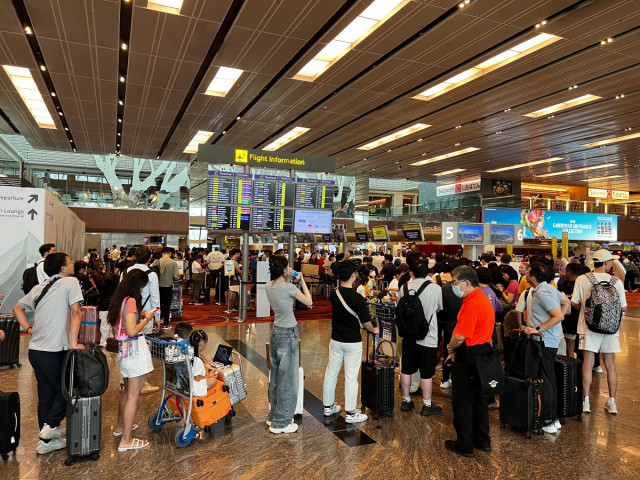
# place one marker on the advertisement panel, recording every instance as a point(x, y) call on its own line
point(610, 194)
point(543, 224)
point(457, 188)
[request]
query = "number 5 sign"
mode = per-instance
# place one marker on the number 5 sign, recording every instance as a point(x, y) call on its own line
point(449, 233)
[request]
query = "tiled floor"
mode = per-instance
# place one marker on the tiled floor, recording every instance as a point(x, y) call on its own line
point(404, 446)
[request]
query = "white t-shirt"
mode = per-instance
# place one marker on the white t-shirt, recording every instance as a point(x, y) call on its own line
point(216, 260)
point(582, 291)
point(361, 291)
point(393, 285)
point(520, 306)
point(431, 298)
point(199, 386)
point(196, 267)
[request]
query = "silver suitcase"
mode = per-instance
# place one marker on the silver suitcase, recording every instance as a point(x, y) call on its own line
point(233, 377)
point(84, 423)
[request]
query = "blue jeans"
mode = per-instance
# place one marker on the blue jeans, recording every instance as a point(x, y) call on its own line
point(284, 354)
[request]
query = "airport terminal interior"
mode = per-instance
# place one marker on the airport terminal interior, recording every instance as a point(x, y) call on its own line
point(449, 128)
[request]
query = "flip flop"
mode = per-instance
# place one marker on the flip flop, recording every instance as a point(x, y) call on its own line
point(136, 444)
point(119, 434)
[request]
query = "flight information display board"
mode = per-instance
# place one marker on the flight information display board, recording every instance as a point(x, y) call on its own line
point(221, 217)
point(229, 188)
point(314, 194)
point(271, 219)
point(270, 191)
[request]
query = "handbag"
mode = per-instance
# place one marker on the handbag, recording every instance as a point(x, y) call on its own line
point(490, 373)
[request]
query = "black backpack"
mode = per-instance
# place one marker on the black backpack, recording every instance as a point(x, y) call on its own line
point(30, 278)
point(410, 319)
point(90, 376)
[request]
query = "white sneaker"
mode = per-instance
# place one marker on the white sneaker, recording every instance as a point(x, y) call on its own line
point(597, 369)
point(445, 385)
point(586, 408)
point(557, 424)
point(148, 388)
point(611, 408)
point(48, 433)
point(550, 428)
point(50, 446)
point(328, 411)
point(356, 417)
point(291, 428)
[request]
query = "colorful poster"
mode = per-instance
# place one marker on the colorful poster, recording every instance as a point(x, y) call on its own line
point(543, 224)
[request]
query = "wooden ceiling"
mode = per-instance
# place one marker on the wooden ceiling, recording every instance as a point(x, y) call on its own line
point(365, 95)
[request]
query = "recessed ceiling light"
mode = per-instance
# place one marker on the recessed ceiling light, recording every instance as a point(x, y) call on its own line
point(527, 164)
point(449, 172)
point(119, 120)
point(120, 102)
point(394, 136)
point(378, 12)
point(53, 94)
point(43, 68)
point(445, 156)
point(223, 81)
point(122, 79)
point(576, 170)
point(166, 6)
point(503, 58)
point(596, 179)
point(286, 138)
point(563, 106)
point(612, 140)
point(200, 137)
point(618, 97)
point(28, 90)
point(123, 46)
point(28, 30)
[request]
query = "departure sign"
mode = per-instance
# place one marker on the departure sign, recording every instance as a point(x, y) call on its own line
point(271, 219)
point(221, 217)
point(314, 194)
point(273, 191)
point(229, 188)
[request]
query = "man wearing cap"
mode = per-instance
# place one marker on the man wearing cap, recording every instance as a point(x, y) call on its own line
point(592, 342)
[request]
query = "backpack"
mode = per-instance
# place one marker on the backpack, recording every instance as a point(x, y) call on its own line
point(30, 278)
point(410, 318)
point(523, 357)
point(90, 373)
point(603, 311)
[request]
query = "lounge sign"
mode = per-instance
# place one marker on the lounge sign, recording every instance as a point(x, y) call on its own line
point(457, 188)
point(218, 154)
point(610, 194)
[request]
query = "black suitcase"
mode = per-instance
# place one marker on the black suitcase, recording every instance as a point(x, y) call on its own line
point(9, 423)
point(569, 382)
point(521, 405)
point(376, 389)
point(10, 347)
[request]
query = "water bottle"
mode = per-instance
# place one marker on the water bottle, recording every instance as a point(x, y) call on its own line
point(295, 275)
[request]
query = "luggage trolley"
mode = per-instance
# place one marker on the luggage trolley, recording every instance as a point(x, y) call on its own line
point(385, 316)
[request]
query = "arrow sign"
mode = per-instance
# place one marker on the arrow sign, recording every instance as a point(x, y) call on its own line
point(32, 213)
point(33, 198)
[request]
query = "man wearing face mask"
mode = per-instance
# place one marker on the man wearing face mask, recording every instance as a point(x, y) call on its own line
point(472, 336)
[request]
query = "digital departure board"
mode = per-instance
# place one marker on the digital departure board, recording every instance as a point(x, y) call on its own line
point(271, 219)
point(272, 191)
point(314, 195)
point(229, 188)
point(220, 217)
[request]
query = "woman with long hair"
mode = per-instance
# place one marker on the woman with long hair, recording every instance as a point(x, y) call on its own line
point(284, 349)
point(127, 319)
point(106, 283)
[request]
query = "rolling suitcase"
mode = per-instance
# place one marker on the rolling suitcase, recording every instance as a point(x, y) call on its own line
point(9, 423)
point(378, 380)
point(569, 382)
point(521, 405)
point(233, 377)
point(89, 326)
point(10, 347)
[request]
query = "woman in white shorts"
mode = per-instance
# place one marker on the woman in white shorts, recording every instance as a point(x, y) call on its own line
point(127, 319)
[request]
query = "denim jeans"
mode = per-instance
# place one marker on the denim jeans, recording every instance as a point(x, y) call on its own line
point(351, 355)
point(284, 353)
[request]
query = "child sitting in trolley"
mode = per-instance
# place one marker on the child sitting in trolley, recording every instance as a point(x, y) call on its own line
point(204, 378)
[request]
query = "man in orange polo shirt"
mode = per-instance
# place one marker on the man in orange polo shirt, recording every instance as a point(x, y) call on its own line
point(472, 336)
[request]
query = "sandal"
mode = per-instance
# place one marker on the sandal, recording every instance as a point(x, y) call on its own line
point(136, 444)
point(119, 434)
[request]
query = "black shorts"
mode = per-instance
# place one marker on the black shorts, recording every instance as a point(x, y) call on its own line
point(417, 357)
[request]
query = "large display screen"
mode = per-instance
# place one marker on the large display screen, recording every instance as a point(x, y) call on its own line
point(501, 234)
point(312, 221)
point(380, 234)
point(314, 195)
point(362, 234)
point(469, 234)
point(220, 217)
point(543, 224)
point(338, 234)
point(413, 232)
point(273, 191)
point(271, 219)
point(229, 188)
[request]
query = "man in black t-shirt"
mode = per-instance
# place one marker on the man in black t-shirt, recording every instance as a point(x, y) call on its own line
point(388, 268)
point(349, 312)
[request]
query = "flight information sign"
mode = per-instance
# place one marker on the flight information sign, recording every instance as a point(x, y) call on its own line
point(227, 187)
point(271, 219)
point(271, 191)
point(314, 194)
point(220, 217)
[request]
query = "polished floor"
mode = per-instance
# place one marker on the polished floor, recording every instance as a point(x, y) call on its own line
point(404, 446)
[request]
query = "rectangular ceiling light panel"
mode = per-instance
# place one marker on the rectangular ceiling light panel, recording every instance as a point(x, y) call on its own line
point(501, 59)
point(576, 170)
point(449, 172)
point(528, 164)
point(223, 81)
point(200, 137)
point(28, 90)
point(394, 136)
point(166, 6)
point(286, 138)
point(445, 156)
point(597, 179)
point(612, 140)
point(360, 28)
point(562, 106)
